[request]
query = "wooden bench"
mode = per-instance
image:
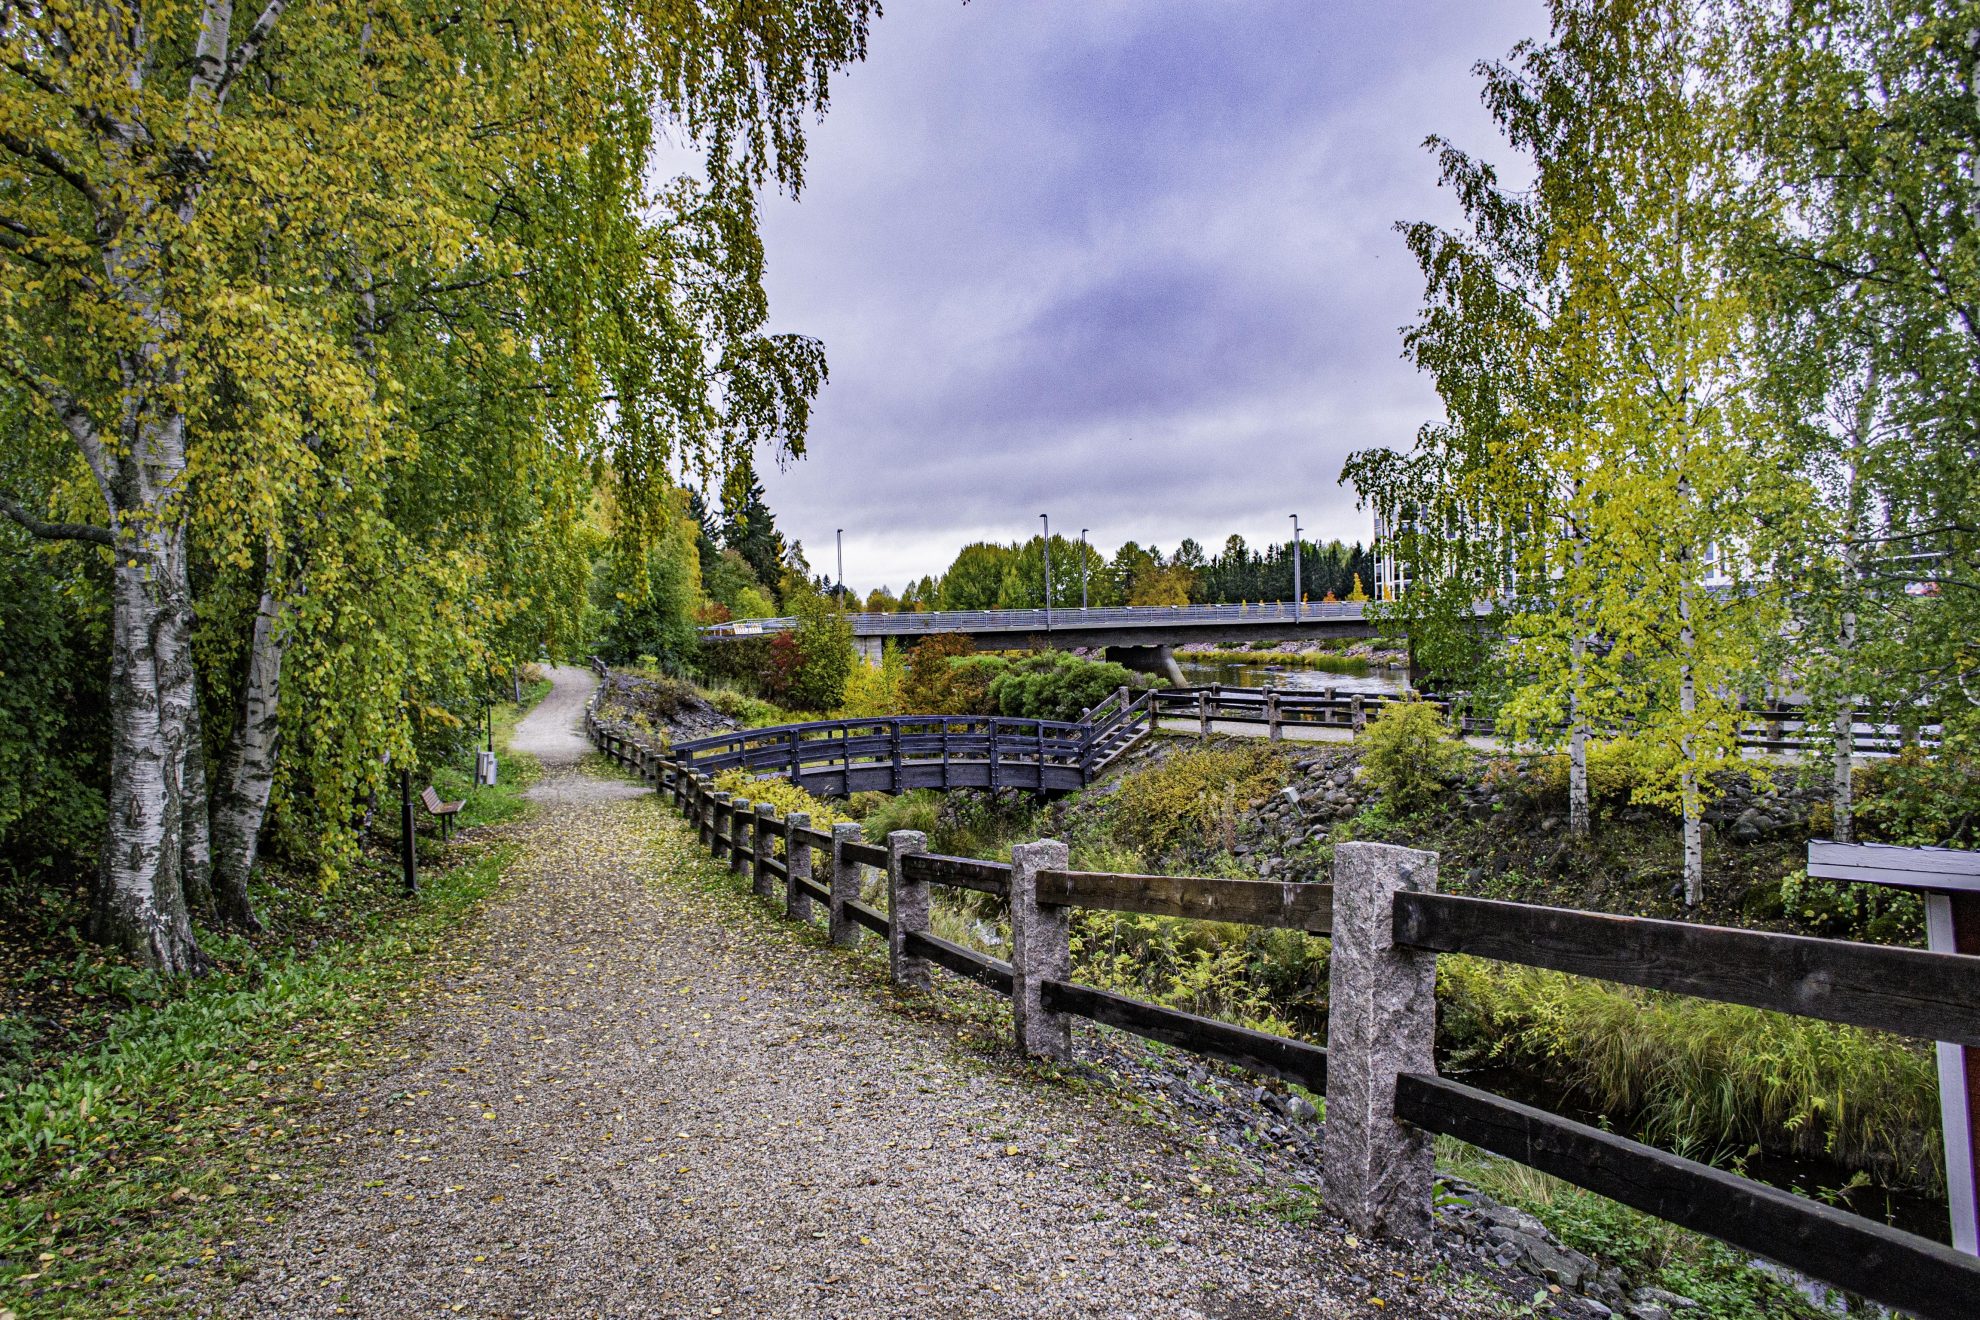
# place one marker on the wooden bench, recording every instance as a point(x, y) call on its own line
point(444, 812)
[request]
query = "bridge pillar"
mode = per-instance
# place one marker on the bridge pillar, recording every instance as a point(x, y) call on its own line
point(869, 649)
point(1149, 660)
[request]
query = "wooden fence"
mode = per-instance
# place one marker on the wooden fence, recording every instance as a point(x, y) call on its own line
point(897, 753)
point(1378, 1074)
point(1773, 729)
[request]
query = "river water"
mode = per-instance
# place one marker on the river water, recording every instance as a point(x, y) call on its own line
point(1202, 669)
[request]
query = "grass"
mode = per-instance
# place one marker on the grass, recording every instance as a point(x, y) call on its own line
point(1714, 1081)
point(157, 1121)
point(123, 1163)
point(1648, 1250)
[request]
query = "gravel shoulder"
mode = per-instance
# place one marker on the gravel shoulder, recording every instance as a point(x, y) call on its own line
point(649, 1096)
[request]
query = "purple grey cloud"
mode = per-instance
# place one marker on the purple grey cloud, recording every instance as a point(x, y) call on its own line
point(1129, 262)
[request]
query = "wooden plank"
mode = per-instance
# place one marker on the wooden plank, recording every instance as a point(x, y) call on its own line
point(1260, 1051)
point(867, 853)
point(777, 867)
point(1934, 996)
point(1289, 906)
point(816, 890)
point(966, 963)
point(1912, 1274)
point(871, 918)
point(1879, 863)
point(816, 838)
point(959, 872)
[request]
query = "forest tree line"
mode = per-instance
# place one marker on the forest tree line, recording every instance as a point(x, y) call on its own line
point(988, 576)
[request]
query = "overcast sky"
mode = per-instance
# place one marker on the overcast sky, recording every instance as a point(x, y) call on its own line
point(1127, 262)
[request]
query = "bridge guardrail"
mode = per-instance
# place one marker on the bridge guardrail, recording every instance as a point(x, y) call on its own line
point(926, 622)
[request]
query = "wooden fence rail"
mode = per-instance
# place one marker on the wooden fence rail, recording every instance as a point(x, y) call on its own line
point(1788, 729)
point(1388, 926)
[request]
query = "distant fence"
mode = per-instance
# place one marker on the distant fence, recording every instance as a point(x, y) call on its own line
point(1378, 1072)
point(1776, 729)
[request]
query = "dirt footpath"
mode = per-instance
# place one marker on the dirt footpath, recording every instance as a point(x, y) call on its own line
point(650, 1097)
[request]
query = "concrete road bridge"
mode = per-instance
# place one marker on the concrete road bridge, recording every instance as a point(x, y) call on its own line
point(1141, 637)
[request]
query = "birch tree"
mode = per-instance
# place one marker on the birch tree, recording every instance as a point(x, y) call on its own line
point(220, 243)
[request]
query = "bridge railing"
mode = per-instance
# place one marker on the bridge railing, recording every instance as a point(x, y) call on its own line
point(927, 622)
point(1378, 1070)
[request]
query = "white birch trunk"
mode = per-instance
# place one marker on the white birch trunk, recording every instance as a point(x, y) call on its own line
point(140, 903)
point(195, 822)
point(247, 768)
point(1579, 824)
point(1688, 792)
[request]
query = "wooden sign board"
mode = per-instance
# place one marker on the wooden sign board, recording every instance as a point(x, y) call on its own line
point(1948, 879)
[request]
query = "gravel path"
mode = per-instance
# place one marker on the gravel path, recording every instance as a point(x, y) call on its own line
point(650, 1097)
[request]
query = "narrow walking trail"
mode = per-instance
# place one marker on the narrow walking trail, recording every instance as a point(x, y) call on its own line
point(648, 1096)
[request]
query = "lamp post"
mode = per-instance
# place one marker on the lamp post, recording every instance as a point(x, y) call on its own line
point(840, 537)
point(1082, 568)
point(1048, 572)
point(1296, 557)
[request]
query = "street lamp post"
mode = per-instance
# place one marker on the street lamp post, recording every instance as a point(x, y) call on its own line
point(1082, 568)
point(1048, 572)
point(1296, 558)
point(840, 537)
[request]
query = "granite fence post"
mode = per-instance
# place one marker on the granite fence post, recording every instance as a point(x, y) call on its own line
point(797, 866)
point(845, 884)
point(718, 829)
point(740, 814)
point(907, 910)
point(1041, 951)
point(1381, 1022)
point(764, 835)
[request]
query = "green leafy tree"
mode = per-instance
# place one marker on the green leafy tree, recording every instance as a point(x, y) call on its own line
point(316, 312)
point(976, 578)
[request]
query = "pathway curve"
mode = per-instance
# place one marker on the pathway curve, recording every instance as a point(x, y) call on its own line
point(649, 1097)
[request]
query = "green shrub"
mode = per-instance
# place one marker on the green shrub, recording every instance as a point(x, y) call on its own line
point(1202, 967)
point(1702, 1077)
point(1409, 755)
point(971, 679)
point(919, 810)
point(1921, 798)
point(1878, 914)
point(1193, 799)
point(1057, 685)
point(784, 795)
point(929, 686)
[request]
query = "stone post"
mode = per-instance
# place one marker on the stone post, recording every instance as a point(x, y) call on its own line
point(1357, 712)
point(1041, 950)
point(766, 833)
point(741, 812)
point(1272, 716)
point(1202, 716)
point(845, 884)
point(907, 910)
point(718, 828)
point(797, 866)
point(1381, 1021)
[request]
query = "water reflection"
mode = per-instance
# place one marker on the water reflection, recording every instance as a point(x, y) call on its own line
point(1198, 669)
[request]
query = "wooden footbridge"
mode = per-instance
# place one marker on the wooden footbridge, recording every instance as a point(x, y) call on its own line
point(832, 758)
